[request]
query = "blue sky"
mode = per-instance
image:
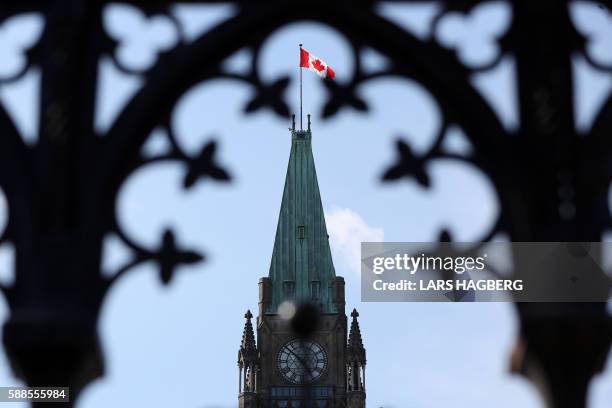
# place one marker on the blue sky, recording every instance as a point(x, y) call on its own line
point(176, 345)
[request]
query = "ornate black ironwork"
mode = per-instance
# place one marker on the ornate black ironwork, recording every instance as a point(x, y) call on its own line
point(551, 182)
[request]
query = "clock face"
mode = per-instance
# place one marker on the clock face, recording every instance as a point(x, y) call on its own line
point(302, 361)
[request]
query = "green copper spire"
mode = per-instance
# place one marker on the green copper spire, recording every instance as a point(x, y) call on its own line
point(301, 267)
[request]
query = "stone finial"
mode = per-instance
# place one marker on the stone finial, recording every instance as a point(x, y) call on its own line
point(248, 346)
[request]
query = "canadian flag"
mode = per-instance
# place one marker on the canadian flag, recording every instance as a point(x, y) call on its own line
point(315, 64)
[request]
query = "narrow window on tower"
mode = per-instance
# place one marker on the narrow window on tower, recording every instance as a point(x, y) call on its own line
point(301, 231)
point(315, 289)
point(289, 289)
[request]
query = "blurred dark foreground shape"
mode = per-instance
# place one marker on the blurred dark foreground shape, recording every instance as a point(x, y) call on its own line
point(552, 182)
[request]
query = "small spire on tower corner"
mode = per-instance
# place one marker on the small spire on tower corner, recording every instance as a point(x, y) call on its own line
point(308, 121)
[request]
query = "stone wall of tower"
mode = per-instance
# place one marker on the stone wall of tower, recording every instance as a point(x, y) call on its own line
point(355, 399)
point(338, 298)
point(247, 400)
point(265, 295)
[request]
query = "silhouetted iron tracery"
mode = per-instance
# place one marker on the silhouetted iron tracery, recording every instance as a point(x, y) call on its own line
point(62, 189)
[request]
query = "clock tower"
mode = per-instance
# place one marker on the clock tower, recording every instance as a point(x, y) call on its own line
point(283, 367)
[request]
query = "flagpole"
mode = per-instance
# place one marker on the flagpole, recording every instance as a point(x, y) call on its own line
point(301, 128)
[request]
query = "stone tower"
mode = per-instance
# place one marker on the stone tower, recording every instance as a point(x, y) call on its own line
point(281, 370)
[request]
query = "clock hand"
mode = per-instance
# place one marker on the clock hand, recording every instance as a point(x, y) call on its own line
point(302, 362)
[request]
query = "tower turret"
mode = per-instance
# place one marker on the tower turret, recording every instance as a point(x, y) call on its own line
point(248, 366)
point(355, 365)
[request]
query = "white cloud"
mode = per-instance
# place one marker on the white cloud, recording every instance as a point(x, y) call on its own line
point(346, 231)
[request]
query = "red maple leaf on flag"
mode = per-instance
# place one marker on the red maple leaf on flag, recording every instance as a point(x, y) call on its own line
point(316, 64)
